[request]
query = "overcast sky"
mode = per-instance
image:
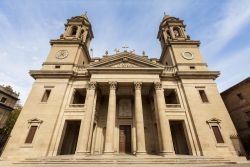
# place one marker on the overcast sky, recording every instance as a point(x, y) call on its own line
point(222, 26)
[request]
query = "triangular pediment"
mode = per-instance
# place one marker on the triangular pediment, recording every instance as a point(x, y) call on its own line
point(125, 60)
point(214, 120)
point(35, 120)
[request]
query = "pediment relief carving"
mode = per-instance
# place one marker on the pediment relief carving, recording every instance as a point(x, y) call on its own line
point(124, 65)
point(125, 61)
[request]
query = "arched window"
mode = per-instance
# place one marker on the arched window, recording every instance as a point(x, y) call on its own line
point(74, 30)
point(176, 31)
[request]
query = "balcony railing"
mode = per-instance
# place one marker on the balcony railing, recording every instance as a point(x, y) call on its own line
point(169, 70)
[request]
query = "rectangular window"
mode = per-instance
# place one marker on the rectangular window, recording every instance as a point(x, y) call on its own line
point(46, 95)
point(171, 96)
point(203, 96)
point(3, 99)
point(217, 134)
point(31, 134)
point(79, 96)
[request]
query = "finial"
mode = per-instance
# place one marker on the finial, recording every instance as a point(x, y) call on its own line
point(125, 47)
point(143, 53)
point(164, 13)
point(85, 15)
point(117, 50)
point(106, 53)
point(91, 50)
point(132, 51)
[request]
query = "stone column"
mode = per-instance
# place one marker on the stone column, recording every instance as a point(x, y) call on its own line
point(84, 134)
point(140, 136)
point(110, 128)
point(166, 138)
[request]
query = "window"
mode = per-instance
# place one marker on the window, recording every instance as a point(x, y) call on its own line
point(240, 96)
point(31, 134)
point(57, 66)
point(3, 99)
point(74, 30)
point(192, 67)
point(171, 96)
point(203, 96)
point(79, 96)
point(176, 32)
point(217, 134)
point(46, 95)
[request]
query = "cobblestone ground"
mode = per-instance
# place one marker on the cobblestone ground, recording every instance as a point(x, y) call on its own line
point(9, 164)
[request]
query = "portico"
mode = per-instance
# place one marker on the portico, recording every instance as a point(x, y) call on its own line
point(124, 130)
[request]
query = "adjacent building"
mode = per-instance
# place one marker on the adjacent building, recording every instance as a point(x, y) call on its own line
point(123, 103)
point(237, 101)
point(8, 99)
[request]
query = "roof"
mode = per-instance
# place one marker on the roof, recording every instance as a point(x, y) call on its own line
point(236, 85)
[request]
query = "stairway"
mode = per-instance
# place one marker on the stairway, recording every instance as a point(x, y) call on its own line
point(127, 159)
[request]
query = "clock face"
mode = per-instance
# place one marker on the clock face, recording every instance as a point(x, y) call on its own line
point(62, 54)
point(187, 55)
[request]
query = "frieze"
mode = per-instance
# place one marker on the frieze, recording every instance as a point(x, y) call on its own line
point(125, 65)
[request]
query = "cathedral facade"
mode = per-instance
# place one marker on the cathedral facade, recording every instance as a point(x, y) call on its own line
point(123, 103)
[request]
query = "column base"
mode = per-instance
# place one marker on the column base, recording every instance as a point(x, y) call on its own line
point(141, 153)
point(108, 154)
point(167, 153)
point(82, 153)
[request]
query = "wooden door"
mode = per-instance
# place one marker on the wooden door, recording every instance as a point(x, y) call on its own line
point(125, 139)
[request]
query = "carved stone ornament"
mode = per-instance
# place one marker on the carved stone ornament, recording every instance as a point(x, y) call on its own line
point(35, 120)
point(137, 85)
point(92, 85)
point(124, 65)
point(157, 85)
point(113, 84)
point(187, 55)
point(62, 54)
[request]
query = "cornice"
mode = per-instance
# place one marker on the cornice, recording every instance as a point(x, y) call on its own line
point(98, 70)
point(66, 41)
point(197, 74)
point(57, 74)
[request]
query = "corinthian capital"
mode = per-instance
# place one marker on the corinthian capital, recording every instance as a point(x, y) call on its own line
point(92, 85)
point(137, 85)
point(157, 85)
point(112, 84)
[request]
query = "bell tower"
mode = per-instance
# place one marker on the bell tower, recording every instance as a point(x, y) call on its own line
point(177, 47)
point(72, 47)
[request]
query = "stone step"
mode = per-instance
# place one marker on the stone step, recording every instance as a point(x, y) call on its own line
point(126, 160)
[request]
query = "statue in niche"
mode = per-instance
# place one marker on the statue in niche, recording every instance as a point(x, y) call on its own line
point(125, 108)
